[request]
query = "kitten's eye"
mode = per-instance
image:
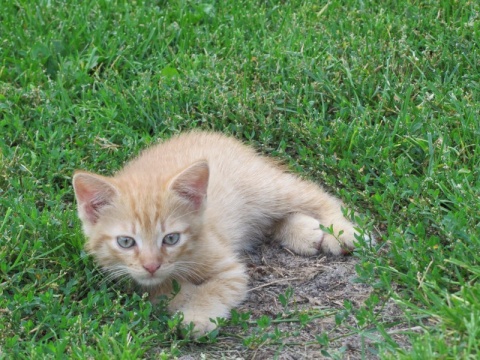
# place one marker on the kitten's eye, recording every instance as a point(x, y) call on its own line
point(171, 239)
point(125, 241)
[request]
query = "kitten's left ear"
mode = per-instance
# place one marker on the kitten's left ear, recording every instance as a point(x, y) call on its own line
point(93, 193)
point(192, 183)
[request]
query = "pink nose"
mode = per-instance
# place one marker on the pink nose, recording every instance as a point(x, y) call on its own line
point(151, 268)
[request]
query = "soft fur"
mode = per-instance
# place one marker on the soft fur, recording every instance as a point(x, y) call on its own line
point(220, 196)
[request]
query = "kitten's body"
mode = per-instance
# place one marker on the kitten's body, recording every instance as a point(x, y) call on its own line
point(220, 196)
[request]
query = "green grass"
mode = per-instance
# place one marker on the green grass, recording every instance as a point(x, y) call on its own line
point(379, 100)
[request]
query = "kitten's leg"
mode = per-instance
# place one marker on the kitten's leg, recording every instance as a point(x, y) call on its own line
point(306, 206)
point(213, 298)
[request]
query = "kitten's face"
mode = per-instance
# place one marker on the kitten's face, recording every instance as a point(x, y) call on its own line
point(148, 233)
point(149, 249)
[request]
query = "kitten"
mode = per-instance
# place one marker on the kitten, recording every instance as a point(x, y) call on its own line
point(185, 208)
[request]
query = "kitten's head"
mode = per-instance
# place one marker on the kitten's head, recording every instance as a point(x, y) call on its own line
point(142, 225)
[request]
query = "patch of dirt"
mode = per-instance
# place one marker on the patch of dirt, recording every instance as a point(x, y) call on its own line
point(319, 283)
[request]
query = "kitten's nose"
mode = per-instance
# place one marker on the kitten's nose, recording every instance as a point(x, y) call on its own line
point(152, 267)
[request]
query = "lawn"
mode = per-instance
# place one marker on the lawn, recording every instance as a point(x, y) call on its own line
point(377, 100)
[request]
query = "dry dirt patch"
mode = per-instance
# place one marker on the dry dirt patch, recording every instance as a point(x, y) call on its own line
point(319, 283)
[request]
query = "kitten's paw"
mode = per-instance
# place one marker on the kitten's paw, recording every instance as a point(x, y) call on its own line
point(301, 234)
point(202, 324)
point(337, 245)
point(343, 242)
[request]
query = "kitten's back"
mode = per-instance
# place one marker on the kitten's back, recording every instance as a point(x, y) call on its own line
point(243, 192)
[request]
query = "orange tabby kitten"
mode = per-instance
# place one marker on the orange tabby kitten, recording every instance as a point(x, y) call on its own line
point(184, 209)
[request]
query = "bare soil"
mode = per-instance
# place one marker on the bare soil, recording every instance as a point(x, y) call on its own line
point(320, 283)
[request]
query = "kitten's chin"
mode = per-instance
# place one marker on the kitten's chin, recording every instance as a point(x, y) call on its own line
point(150, 281)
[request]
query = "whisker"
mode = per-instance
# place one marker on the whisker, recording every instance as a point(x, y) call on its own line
point(187, 272)
point(115, 273)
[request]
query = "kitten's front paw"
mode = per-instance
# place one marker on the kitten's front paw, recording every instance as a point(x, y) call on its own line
point(202, 324)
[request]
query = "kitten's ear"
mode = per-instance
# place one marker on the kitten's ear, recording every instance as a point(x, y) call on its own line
point(93, 192)
point(192, 183)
